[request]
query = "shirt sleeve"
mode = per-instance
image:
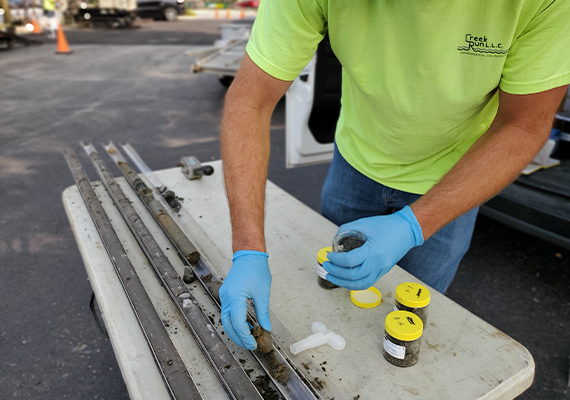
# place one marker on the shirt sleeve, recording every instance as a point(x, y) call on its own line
point(539, 59)
point(285, 36)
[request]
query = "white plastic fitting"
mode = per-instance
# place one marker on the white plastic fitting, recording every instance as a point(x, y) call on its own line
point(321, 335)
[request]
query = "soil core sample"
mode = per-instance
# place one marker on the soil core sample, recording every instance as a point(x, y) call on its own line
point(278, 371)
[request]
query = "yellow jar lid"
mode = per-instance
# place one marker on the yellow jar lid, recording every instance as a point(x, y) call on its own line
point(322, 254)
point(413, 295)
point(368, 298)
point(404, 325)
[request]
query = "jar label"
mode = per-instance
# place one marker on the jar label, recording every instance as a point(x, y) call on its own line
point(393, 349)
point(321, 271)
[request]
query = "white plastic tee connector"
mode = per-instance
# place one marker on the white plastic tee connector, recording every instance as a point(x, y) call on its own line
point(321, 335)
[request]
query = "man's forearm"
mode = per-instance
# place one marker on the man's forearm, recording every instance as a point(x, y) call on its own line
point(492, 163)
point(245, 153)
point(245, 150)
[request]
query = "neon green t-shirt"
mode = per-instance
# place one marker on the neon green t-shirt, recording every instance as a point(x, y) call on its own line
point(48, 5)
point(420, 78)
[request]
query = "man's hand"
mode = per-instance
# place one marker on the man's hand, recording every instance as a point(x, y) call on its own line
point(249, 278)
point(388, 239)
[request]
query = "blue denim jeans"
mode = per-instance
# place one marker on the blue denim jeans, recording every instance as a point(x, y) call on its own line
point(348, 195)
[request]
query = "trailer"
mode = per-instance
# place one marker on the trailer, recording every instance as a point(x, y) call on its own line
point(225, 56)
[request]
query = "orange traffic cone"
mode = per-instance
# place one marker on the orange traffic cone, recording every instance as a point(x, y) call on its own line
point(242, 13)
point(217, 14)
point(227, 13)
point(62, 46)
point(37, 29)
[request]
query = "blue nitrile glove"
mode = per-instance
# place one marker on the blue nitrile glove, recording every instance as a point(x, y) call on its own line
point(388, 239)
point(249, 278)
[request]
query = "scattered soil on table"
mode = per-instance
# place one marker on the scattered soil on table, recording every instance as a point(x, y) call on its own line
point(318, 384)
point(356, 397)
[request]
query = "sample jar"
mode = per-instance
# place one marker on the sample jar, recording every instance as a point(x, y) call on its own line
point(321, 272)
point(402, 338)
point(347, 240)
point(413, 297)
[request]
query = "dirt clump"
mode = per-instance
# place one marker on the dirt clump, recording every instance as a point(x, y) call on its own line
point(214, 288)
point(278, 371)
point(263, 339)
point(188, 275)
point(262, 384)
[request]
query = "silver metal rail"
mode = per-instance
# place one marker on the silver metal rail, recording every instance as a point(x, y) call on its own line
point(228, 371)
point(170, 365)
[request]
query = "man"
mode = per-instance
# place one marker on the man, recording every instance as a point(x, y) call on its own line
point(49, 7)
point(443, 104)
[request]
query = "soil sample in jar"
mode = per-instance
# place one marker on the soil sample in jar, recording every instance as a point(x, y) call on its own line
point(342, 242)
point(402, 338)
point(321, 272)
point(413, 297)
point(347, 240)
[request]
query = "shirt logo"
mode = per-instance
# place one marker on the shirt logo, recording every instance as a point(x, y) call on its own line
point(482, 46)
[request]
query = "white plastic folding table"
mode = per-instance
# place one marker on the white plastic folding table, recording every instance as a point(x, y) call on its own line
point(462, 356)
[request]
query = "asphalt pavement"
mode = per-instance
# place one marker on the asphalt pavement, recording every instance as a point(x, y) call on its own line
point(136, 86)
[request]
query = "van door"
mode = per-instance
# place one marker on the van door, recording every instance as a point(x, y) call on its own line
point(312, 109)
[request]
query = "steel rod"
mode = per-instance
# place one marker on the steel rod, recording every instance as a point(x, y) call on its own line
point(147, 196)
point(117, 157)
point(174, 373)
point(142, 166)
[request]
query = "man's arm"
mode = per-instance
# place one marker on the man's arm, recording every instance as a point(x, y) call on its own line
point(245, 150)
point(518, 132)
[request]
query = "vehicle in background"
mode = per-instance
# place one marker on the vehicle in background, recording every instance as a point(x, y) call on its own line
point(113, 13)
point(538, 204)
point(225, 56)
point(23, 10)
point(247, 3)
point(167, 9)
